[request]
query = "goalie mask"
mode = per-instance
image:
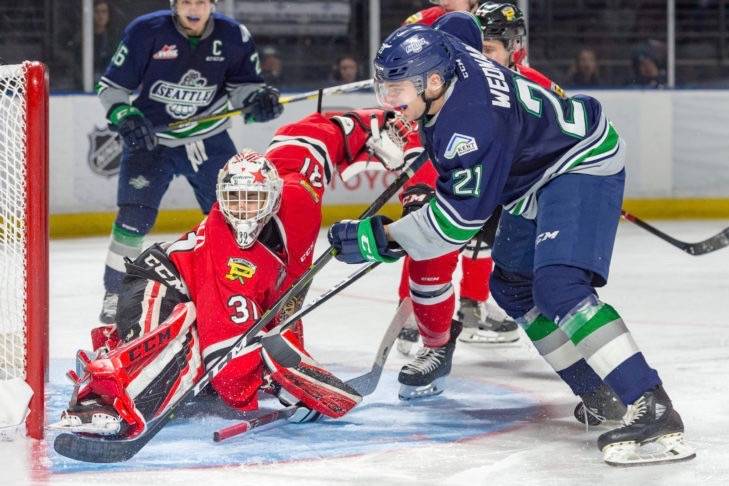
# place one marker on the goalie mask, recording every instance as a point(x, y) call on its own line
point(249, 194)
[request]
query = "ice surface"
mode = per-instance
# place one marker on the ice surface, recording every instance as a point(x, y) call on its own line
point(504, 419)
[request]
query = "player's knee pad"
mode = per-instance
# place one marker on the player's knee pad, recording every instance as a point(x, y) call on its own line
point(144, 377)
point(559, 288)
point(512, 291)
point(135, 219)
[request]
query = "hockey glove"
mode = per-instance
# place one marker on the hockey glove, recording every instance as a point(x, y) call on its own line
point(262, 105)
point(134, 128)
point(363, 240)
point(415, 197)
point(396, 144)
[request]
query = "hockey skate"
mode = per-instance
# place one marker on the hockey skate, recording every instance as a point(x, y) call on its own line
point(90, 417)
point(425, 375)
point(108, 308)
point(484, 322)
point(652, 432)
point(408, 336)
point(602, 405)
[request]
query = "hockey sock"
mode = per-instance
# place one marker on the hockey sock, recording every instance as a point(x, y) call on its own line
point(403, 289)
point(433, 306)
point(561, 354)
point(603, 339)
point(433, 297)
point(127, 237)
point(476, 274)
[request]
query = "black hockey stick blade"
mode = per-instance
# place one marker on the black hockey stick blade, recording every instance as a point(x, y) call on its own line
point(106, 450)
point(716, 242)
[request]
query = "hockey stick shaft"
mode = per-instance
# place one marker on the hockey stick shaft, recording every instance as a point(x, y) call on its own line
point(284, 100)
point(365, 384)
point(716, 242)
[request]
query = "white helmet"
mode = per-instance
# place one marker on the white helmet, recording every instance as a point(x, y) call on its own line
point(249, 194)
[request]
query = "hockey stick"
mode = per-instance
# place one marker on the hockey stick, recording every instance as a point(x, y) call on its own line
point(364, 384)
point(91, 449)
point(716, 242)
point(284, 100)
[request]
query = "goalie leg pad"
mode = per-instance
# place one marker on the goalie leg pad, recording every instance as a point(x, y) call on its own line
point(305, 379)
point(141, 379)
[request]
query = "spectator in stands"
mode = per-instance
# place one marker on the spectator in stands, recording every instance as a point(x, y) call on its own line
point(649, 65)
point(585, 70)
point(271, 66)
point(105, 39)
point(346, 69)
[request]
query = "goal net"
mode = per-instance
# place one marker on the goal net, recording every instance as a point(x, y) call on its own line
point(23, 243)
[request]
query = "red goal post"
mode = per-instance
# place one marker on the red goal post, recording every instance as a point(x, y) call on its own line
point(24, 231)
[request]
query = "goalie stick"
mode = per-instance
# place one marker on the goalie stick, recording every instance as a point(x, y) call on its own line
point(716, 242)
point(99, 450)
point(364, 384)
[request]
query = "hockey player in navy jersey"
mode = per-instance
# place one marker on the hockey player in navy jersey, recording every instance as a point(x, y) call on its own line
point(557, 167)
point(185, 62)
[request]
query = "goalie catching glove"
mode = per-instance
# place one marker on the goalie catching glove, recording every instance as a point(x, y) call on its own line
point(362, 240)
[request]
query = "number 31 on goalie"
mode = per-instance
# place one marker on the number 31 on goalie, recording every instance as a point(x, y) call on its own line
point(242, 309)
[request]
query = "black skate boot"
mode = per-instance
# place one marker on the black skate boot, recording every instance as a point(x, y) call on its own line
point(602, 405)
point(652, 432)
point(484, 322)
point(425, 375)
point(108, 308)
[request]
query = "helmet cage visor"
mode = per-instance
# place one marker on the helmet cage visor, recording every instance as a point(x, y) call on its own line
point(397, 95)
point(248, 205)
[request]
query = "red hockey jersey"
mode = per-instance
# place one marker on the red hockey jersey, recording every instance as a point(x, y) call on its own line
point(231, 286)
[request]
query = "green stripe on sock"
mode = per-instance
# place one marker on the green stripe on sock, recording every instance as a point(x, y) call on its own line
point(582, 325)
point(126, 237)
point(540, 328)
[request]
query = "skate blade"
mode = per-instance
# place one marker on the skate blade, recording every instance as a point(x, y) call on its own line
point(488, 337)
point(411, 392)
point(666, 448)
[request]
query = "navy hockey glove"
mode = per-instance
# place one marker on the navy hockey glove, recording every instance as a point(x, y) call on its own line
point(363, 240)
point(262, 105)
point(136, 131)
point(415, 197)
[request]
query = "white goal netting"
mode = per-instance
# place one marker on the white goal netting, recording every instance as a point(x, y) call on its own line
point(12, 221)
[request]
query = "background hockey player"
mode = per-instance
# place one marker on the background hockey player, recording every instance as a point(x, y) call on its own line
point(483, 321)
point(557, 167)
point(232, 267)
point(190, 61)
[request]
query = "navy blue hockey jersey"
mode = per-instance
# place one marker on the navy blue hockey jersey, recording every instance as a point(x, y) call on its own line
point(177, 79)
point(497, 140)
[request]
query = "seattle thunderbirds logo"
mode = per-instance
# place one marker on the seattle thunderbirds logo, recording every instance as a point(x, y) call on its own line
point(183, 99)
